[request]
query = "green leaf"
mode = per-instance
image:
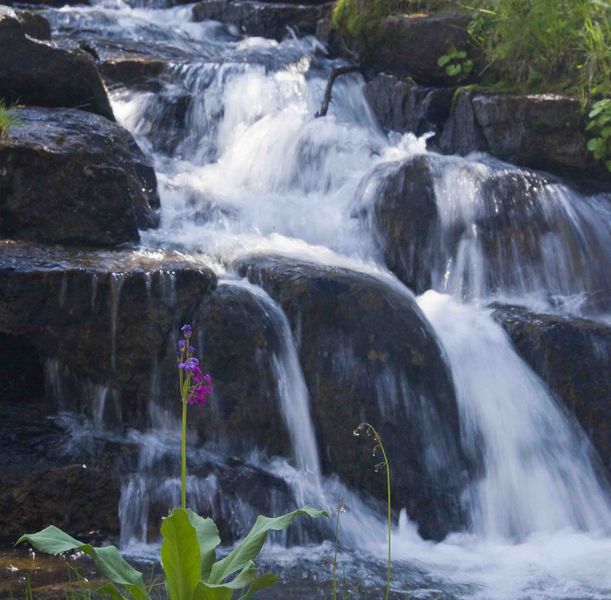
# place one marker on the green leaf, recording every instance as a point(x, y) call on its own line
point(208, 538)
point(111, 591)
point(260, 583)
point(593, 144)
point(107, 558)
point(250, 547)
point(453, 70)
point(206, 592)
point(444, 60)
point(246, 578)
point(180, 555)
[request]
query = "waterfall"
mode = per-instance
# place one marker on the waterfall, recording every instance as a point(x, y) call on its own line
point(538, 472)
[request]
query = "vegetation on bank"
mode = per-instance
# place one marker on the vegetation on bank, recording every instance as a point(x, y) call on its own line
point(528, 46)
point(7, 119)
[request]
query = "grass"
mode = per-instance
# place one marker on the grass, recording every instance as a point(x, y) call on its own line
point(7, 119)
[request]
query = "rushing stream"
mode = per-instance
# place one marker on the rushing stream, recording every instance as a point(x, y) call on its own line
point(246, 170)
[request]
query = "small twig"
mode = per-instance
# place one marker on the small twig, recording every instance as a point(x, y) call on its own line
point(335, 73)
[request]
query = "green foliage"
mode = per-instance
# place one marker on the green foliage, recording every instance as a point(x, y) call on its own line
point(545, 45)
point(599, 126)
point(7, 119)
point(188, 558)
point(457, 64)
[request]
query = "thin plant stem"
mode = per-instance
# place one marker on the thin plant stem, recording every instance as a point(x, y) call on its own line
point(386, 464)
point(183, 490)
point(334, 592)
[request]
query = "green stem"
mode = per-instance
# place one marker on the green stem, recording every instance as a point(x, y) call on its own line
point(183, 491)
point(388, 512)
point(334, 592)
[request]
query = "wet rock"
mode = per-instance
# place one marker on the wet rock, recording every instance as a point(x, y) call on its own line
point(368, 354)
point(33, 24)
point(543, 131)
point(240, 342)
point(403, 106)
point(139, 72)
point(412, 45)
point(572, 356)
point(73, 177)
point(406, 219)
point(105, 321)
point(37, 73)
point(56, 3)
point(262, 18)
point(82, 501)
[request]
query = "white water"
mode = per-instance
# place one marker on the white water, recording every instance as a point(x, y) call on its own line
point(253, 171)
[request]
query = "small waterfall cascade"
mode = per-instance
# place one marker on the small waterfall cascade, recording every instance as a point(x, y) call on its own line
point(538, 473)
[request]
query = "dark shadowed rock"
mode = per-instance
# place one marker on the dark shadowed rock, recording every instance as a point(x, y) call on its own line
point(368, 354)
point(33, 24)
point(412, 45)
point(239, 341)
point(542, 131)
point(261, 18)
point(56, 3)
point(73, 177)
point(403, 106)
point(37, 73)
point(140, 72)
point(572, 356)
point(103, 319)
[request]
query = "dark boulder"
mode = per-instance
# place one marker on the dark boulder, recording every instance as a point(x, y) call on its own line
point(37, 73)
point(572, 356)
point(32, 23)
point(56, 3)
point(82, 501)
point(101, 319)
point(261, 18)
point(239, 341)
point(136, 72)
point(542, 131)
point(412, 44)
point(73, 177)
point(403, 106)
point(368, 354)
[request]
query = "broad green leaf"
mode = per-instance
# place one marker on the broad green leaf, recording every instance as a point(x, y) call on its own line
point(251, 545)
point(205, 592)
point(208, 538)
point(246, 578)
point(453, 70)
point(180, 555)
point(110, 591)
point(444, 60)
point(260, 583)
point(107, 558)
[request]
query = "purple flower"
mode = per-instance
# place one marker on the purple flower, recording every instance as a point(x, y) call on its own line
point(191, 350)
point(199, 394)
point(182, 344)
point(187, 331)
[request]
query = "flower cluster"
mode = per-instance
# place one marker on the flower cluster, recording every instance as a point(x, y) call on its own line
point(199, 391)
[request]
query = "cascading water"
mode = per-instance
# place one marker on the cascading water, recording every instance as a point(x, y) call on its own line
point(245, 168)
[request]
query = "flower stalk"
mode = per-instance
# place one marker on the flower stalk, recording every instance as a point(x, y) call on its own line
point(195, 388)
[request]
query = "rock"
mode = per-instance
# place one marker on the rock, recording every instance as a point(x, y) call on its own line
point(73, 177)
point(33, 24)
point(262, 18)
point(478, 228)
point(543, 131)
point(368, 354)
point(239, 341)
point(74, 498)
point(102, 323)
point(403, 106)
point(412, 45)
point(56, 3)
point(37, 73)
point(139, 72)
point(572, 356)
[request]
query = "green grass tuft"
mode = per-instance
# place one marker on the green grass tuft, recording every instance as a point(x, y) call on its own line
point(7, 119)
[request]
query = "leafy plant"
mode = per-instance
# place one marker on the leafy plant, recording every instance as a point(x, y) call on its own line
point(599, 126)
point(7, 119)
point(457, 64)
point(189, 541)
point(371, 431)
